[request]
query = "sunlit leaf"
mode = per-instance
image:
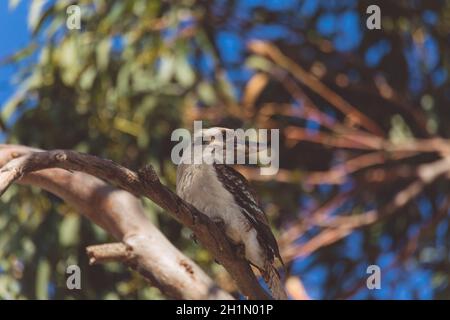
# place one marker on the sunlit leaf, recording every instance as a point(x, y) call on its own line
point(127, 126)
point(87, 78)
point(166, 69)
point(206, 93)
point(102, 51)
point(13, 4)
point(400, 132)
point(68, 56)
point(35, 13)
point(69, 230)
point(42, 279)
point(258, 63)
point(183, 72)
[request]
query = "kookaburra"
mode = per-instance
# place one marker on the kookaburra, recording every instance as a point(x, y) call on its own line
point(225, 195)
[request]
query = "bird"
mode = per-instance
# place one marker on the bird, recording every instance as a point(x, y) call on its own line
point(226, 197)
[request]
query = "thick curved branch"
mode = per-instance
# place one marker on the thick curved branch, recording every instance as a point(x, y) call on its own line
point(122, 215)
point(144, 183)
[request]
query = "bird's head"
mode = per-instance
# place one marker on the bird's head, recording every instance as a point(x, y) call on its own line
point(228, 140)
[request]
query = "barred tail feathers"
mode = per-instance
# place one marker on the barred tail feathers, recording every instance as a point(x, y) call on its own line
point(273, 280)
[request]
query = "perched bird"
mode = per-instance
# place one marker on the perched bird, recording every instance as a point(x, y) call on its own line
point(225, 196)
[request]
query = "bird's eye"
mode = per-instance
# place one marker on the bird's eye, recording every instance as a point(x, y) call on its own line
point(206, 142)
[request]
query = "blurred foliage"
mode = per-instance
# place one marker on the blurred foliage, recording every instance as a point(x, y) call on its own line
point(138, 69)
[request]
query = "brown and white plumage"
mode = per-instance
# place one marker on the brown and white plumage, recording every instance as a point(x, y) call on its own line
point(222, 193)
point(247, 199)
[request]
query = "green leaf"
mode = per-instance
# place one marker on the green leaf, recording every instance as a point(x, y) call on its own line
point(87, 78)
point(206, 93)
point(42, 279)
point(127, 126)
point(43, 17)
point(142, 81)
point(123, 79)
point(34, 13)
point(184, 73)
point(400, 131)
point(11, 105)
point(113, 17)
point(102, 53)
point(146, 106)
point(69, 60)
point(258, 63)
point(69, 230)
point(19, 96)
point(54, 26)
point(166, 69)
point(13, 4)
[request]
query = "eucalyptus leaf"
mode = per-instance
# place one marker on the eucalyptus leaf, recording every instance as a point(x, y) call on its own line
point(13, 4)
point(34, 13)
point(69, 230)
point(206, 93)
point(102, 53)
point(184, 73)
point(42, 279)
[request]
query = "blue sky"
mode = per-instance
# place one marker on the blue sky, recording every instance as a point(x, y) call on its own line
point(14, 35)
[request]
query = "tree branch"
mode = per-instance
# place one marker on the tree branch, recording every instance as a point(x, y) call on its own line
point(110, 252)
point(339, 227)
point(266, 49)
point(146, 183)
point(122, 215)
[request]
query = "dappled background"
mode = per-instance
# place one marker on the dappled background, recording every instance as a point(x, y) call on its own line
point(363, 116)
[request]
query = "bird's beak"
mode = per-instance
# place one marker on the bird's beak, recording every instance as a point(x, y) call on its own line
point(251, 147)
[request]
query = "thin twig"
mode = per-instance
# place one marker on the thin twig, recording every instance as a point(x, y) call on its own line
point(110, 252)
point(267, 49)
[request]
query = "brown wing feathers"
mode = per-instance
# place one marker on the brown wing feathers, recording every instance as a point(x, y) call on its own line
point(247, 199)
